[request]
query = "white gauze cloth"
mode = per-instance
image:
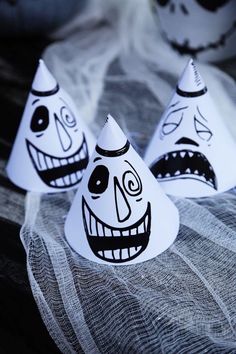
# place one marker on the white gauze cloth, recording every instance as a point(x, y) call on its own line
point(113, 60)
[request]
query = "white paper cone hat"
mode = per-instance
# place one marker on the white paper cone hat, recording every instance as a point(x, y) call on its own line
point(191, 153)
point(204, 29)
point(120, 215)
point(52, 146)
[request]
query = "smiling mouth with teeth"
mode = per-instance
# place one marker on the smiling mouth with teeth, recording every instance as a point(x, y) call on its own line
point(59, 172)
point(184, 164)
point(114, 244)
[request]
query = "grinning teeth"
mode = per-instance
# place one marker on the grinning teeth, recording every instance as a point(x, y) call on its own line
point(146, 223)
point(56, 163)
point(35, 156)
point(166, 157)
point(116, 254)
point(59, 182)
point(93, 225)
point(139, 248)
point(48, 162)
point(132, 251)
point(71, 160)
point(177, 173)
point(100, 229)
point(108, 254)
point(124, 253)
point(133, 232)
point(196, 172)
point(159, 175)
point(174, 154)
point(66, 180)
point(87, 216)
point(141, 228)
point(182, 154)
point(119, 254)
point(41, 161)
point(190, 154)
point(73, 178)
point(63, 162)
point(167, 175)
point(79, 174)
point(53, 183)
point(188, 170)
point(82, 154)
point(125, 233)
point(107, 231)
point(116, 233)
point(77, 157)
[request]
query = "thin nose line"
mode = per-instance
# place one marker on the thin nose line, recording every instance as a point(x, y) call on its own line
point(64, 137)
point(123, 209)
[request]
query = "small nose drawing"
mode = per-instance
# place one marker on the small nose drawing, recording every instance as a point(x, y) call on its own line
point(123, 209)
point(63, 135)
point(188, 141)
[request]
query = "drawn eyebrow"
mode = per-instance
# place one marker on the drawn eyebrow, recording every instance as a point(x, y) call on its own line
point(176, 110)
point(174, 104)
point(201, 115)
point(96, 159)
point(37, 99)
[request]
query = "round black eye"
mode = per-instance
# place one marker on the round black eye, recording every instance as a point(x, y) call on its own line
point(40, 119)
point(162, 2)
point(68, 117)
point(211, 5)
point(98, 180)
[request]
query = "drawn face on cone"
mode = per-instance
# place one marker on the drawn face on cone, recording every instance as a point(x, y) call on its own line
point(191, 136)
point(115, 207)
point(52, 143)
point(187, 153)
point(208, 29)
point(62, 163)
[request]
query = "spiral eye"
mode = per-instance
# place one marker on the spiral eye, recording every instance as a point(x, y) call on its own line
point(68, 117)
point(132, 182)
point(40, 119)
point(98, 180)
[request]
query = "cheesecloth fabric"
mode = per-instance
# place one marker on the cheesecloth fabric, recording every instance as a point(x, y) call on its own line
point(113, 59)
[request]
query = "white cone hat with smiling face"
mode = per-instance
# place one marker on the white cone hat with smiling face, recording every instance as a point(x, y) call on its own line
point(120, 215)
point(191, 153)
point(52, 146)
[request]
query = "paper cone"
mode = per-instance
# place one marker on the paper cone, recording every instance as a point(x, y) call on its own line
point(52, 146)
point(202, 29)
point(120, 215)
point(191, 153)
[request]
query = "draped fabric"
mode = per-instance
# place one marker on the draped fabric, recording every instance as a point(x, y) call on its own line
point(113, 60)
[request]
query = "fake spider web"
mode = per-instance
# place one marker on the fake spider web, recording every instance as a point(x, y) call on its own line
point(179, 302)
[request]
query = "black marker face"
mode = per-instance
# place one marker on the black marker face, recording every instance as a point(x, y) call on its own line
point(184, 164)
point(185, 161)
point(53, 143)
point(112, 244)
point(120, 236)
point(211, 11)
point(59, 172)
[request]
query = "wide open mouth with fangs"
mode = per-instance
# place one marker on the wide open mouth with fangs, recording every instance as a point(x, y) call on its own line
point(184, 164)
point(114, 244)
point(59, 172)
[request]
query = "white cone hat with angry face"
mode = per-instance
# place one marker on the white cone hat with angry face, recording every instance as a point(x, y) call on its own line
point(120, 215)
point(52, 146)
point(191, 152)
